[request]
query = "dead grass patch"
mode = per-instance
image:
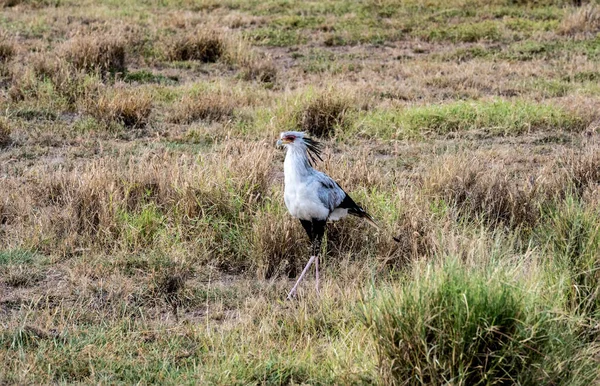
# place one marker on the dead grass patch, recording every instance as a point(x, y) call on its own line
point(254, 65)
point(582, 20)
point(260, 70)
point(73, 84)
point(119, 204)
point(279, 245)
point(7, 51)
point(481, 192)
point(204, 46)
point(415, 238)
point(578, 174)
point(207, 106)
point(129, 107)
point(322, 115)
point(96, 53)
point(5, 132)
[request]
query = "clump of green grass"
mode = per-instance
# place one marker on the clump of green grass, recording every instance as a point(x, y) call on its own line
point(141, 227)
point(324, 114)
point(276, 37)
point(96, 53)
point(466, 326)
point(205, 46)
point(467, 33)
point(128, 107)
point(16, 256)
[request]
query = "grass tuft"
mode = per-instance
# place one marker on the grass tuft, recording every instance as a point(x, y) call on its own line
point(582, 20)
point(128, 107)
point(277, 243)
point(206, 47)
point(260, 70)
point(203, 106)
point(481, 193)
point(452, 324)
point(102, 53)
point(571, 233)
point(7, 51)
point(324, 114)
point(5, 132)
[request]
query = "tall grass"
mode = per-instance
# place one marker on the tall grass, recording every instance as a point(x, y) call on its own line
point(461, 325)
point(571, 235)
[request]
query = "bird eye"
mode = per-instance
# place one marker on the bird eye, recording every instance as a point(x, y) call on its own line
point(289, 138)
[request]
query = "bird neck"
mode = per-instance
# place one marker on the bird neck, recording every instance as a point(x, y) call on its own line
point(296, 163)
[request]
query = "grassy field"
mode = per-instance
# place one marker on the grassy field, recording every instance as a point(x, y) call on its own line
point(143, 235)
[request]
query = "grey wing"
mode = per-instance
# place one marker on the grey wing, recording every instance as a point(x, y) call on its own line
point(329, 192)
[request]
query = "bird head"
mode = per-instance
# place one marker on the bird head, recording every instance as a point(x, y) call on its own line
point(291, 138)
point(299, 140)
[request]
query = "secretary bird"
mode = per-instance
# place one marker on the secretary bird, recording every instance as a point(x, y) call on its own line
point(312, 196)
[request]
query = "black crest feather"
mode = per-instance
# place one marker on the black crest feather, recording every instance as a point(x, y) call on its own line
point(314, 149)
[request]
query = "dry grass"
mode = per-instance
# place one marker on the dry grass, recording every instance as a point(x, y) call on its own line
point(278, 246)
point(7, 51)
point(324, 114)
point(5, 131)
point(127, 107)
point(260, 70)
point(204, 46)
point(207, 106)
point(582, 20)
point(96, 53)
point(578, 173)
point(484, 193)
point(253, 65)
point(74, 85)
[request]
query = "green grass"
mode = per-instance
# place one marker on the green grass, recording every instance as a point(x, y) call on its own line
point(453, 324)
point(17, 256)
point(500, 117)
point(467, 33)
point(145, 76)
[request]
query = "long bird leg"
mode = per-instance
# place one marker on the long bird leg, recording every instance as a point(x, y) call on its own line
point(315, 230)
point(293, 291)
point(317, 273)
point(318, 228)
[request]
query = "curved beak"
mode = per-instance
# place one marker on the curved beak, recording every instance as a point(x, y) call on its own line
point(279, 144)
